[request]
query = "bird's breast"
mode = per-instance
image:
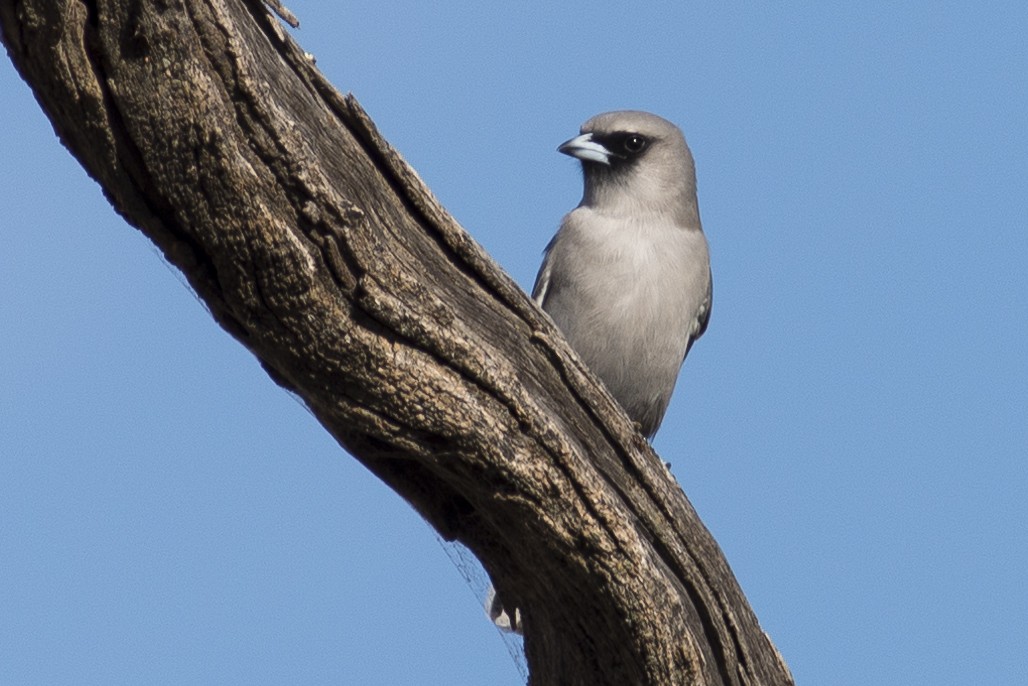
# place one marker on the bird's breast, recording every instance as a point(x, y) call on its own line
point(641, 267)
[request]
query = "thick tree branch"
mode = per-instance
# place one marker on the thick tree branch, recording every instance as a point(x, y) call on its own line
point(316, 246)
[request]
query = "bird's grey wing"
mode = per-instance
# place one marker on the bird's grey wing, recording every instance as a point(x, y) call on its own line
point(542, 279)
point(703, 316)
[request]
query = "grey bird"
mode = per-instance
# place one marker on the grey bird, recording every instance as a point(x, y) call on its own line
point(627, 276)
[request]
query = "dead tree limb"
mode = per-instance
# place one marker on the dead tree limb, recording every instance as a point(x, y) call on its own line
point(316, 246)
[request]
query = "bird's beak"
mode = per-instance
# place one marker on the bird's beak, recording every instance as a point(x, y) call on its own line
point(586, 149)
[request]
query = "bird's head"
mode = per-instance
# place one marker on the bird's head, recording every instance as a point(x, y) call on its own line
point(636, 162)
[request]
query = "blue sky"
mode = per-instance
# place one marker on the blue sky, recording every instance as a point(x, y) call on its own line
point(853, 427)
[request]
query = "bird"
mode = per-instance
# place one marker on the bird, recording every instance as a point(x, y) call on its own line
point(627, 276)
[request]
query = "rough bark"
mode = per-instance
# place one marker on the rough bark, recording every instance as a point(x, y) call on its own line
point(316, 246)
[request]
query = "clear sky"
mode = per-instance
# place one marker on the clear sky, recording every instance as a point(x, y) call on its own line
point(853, 427)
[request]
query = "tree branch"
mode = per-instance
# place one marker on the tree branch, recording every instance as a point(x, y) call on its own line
point(317, 247)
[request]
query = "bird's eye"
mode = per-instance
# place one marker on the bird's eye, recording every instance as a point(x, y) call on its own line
point(634, 143)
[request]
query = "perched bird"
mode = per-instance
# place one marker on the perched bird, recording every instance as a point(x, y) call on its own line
point(627, 276)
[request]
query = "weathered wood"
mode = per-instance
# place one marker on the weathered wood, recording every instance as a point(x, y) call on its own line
point(316, 246)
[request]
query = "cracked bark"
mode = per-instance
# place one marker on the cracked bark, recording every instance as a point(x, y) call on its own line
point(315, 245)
